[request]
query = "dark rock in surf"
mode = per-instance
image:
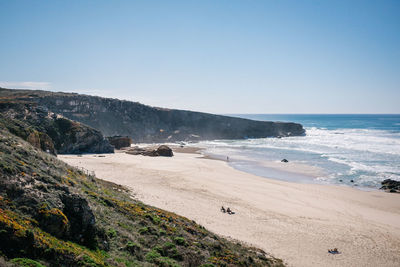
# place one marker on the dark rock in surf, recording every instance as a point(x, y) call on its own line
point(391, 186)
point(285, 161)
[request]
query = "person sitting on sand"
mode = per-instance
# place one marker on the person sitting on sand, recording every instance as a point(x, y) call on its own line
point(223, 209)
point(333, 251)
point(229, 211)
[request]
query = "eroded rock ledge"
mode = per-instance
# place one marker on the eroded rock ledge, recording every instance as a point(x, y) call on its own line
point(51, 132)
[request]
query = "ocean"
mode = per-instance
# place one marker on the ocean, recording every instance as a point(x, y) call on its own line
point(356, 150)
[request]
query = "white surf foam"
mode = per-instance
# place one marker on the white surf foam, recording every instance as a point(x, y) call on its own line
point(370, 155)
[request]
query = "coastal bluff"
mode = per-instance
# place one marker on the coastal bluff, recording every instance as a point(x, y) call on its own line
point(151, 124)
point(49, 131)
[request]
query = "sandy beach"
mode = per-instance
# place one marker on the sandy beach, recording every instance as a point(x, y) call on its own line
point(295, 222)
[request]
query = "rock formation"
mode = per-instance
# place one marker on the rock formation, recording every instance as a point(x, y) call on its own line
point(150, 124)
point(120, 141)
point(162, 150)
point(51, 132)
point(391, 186)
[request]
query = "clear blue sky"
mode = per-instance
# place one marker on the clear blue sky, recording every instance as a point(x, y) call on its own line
point(214, 56)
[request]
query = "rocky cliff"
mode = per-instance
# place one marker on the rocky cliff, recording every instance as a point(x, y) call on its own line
point(49, 131)
point(150, 124)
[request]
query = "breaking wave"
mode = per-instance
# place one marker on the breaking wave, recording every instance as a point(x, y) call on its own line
point(364, 156)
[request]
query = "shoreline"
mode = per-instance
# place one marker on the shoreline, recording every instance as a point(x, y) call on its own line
point(295, 222)
point(292, 171)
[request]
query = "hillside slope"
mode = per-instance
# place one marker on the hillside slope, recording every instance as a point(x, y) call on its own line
point(150, 124)
point(52, 214)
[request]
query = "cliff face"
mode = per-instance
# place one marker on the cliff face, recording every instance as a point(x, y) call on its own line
point(148, 124)
point(49, 131)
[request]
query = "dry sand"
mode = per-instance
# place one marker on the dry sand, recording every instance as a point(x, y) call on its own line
point(295, 222)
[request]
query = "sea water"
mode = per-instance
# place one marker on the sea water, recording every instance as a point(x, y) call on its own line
point(357, 150)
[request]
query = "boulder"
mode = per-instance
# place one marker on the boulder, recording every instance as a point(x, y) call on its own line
point(391, 186)
point(76, 138)
point(33, 139)
point(42, 141)
point(120, 141)
point(53, 220)
point(164, 151)
point(81, 219)
point(284, 160)
point(136, 151)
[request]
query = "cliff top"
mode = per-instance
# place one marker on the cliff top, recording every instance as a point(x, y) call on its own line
point(148, 124)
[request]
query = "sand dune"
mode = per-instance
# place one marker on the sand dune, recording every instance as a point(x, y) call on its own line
point(295, 222)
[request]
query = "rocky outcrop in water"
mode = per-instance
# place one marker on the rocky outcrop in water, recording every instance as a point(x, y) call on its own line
point(150, 124)
point(391, 186)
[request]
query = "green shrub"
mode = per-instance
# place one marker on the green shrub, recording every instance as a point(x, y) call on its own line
point(155, 219)
point(132, 247)
point(179, 240)
point(155, 257)
point(169, 245)
point(170, 250)
point(166, 262)
point(152, 256)
point(88, 261)
point(24, 262)
point(143, 230)
point(111, 233)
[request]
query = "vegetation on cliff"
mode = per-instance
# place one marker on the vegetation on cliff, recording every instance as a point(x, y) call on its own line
point(52, 214)
point(49, 131)
point(150, 124)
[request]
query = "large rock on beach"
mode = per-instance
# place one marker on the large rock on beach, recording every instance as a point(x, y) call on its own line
point(120, 141)
point(163, 151)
